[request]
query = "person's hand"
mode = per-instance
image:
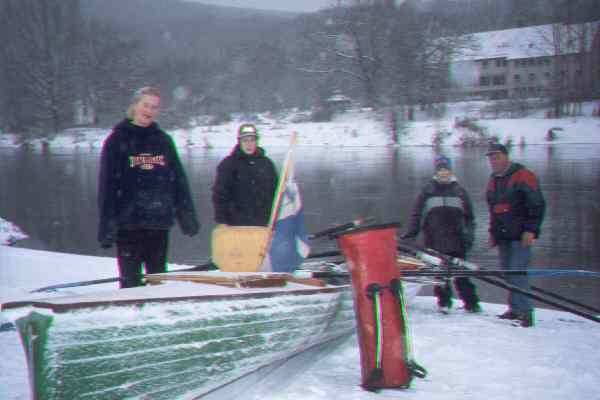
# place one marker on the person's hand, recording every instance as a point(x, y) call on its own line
point(407, 236)
point(527, 239)
point(106, 244)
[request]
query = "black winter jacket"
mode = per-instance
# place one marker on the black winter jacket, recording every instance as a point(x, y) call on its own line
point(244, 189)
point(516, 204)
point(142, 184)
point(445, 213)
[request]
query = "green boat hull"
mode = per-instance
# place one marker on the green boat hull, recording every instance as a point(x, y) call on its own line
point(174, 348)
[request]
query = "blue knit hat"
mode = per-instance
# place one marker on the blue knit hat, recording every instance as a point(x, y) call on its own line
point(441, 161)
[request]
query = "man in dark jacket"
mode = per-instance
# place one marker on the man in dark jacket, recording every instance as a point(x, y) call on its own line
point(516, 207)
point(444, 211)
point(142, 189)
point(245, 184)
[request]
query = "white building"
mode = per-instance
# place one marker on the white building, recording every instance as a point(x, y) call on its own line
point(526, 62)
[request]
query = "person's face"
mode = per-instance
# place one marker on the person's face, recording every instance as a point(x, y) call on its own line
point(248, 144)
point(443, 175)
point(498, 162)
point(146, 110)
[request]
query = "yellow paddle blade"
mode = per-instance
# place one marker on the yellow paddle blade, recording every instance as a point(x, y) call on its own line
point(239, 248)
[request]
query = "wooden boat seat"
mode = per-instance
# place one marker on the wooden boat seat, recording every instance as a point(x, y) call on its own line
point(241, 281)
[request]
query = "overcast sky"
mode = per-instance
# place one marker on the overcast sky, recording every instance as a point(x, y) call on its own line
point(283, 5)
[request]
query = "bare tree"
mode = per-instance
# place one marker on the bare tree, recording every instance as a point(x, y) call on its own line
point(110, 66)
point(37, 61)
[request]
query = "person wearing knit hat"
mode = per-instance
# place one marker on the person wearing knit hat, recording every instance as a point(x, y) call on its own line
point(245, 182)
point(444, 213)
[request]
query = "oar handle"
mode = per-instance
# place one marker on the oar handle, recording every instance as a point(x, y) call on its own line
point(340, 228)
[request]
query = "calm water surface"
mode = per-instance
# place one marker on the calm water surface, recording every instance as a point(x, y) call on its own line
point(52, 197)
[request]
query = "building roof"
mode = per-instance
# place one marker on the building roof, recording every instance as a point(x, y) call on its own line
point(531, 41)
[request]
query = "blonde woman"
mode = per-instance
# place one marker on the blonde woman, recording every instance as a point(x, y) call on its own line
point(142, 190)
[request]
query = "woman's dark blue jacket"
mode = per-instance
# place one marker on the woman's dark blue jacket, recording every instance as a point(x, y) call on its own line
point(142, 184)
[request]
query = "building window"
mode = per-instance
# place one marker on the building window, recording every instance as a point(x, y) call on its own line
point(501, 63)
point(499, 80)
point(531, 77)
point(517, 77)
point(484, 63)
point(548, 75)
point(484, 81)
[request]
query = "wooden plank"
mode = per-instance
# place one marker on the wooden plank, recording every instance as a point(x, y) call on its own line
point(236, 281)
point(267, 280)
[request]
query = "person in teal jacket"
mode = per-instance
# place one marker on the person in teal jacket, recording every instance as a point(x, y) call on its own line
point(444, 213)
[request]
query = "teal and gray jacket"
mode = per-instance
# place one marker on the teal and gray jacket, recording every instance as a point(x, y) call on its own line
point(444, 212)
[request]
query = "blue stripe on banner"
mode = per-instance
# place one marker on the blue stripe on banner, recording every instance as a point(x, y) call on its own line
point(289, 246)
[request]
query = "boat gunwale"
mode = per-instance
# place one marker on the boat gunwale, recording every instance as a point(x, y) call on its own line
point(55, 307)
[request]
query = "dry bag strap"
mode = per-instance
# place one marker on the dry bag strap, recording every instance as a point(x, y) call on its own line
point(376, 374)
point(414, 369)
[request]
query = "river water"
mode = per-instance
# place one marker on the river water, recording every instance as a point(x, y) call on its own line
point(52, 196)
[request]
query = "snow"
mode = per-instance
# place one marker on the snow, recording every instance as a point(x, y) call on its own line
point(468, 356)
point(10, 233)
point(359, 128)
point(525, 42)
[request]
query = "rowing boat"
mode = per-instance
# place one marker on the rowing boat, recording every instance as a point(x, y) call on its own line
point(185, 338)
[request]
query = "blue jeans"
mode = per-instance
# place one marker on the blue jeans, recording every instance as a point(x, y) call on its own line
point(514, 256)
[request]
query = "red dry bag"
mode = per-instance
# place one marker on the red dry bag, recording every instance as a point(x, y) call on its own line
point(379, 307)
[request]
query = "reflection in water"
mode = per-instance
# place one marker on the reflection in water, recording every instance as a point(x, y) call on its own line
point(52, 197)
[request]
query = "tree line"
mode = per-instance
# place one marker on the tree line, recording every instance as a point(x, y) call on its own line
point(69, 62)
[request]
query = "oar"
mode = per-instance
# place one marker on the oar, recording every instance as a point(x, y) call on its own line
point(201, 267)
point(472, 266)
point(430, 253)
point(459, 272)
point(341, 228)
point(207, 264)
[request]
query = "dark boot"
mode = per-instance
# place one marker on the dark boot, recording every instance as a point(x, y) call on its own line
point(526, 320)
point(443, 292)
point(467, 292)
point(508, 315)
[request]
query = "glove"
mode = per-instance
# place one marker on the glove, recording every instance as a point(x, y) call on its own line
point(190, 227)
point(106, 243)
point(407, 236)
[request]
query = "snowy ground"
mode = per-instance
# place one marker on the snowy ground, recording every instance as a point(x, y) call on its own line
point(467, 356)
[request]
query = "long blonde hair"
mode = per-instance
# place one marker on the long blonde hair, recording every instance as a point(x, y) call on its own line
point(137, 96)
